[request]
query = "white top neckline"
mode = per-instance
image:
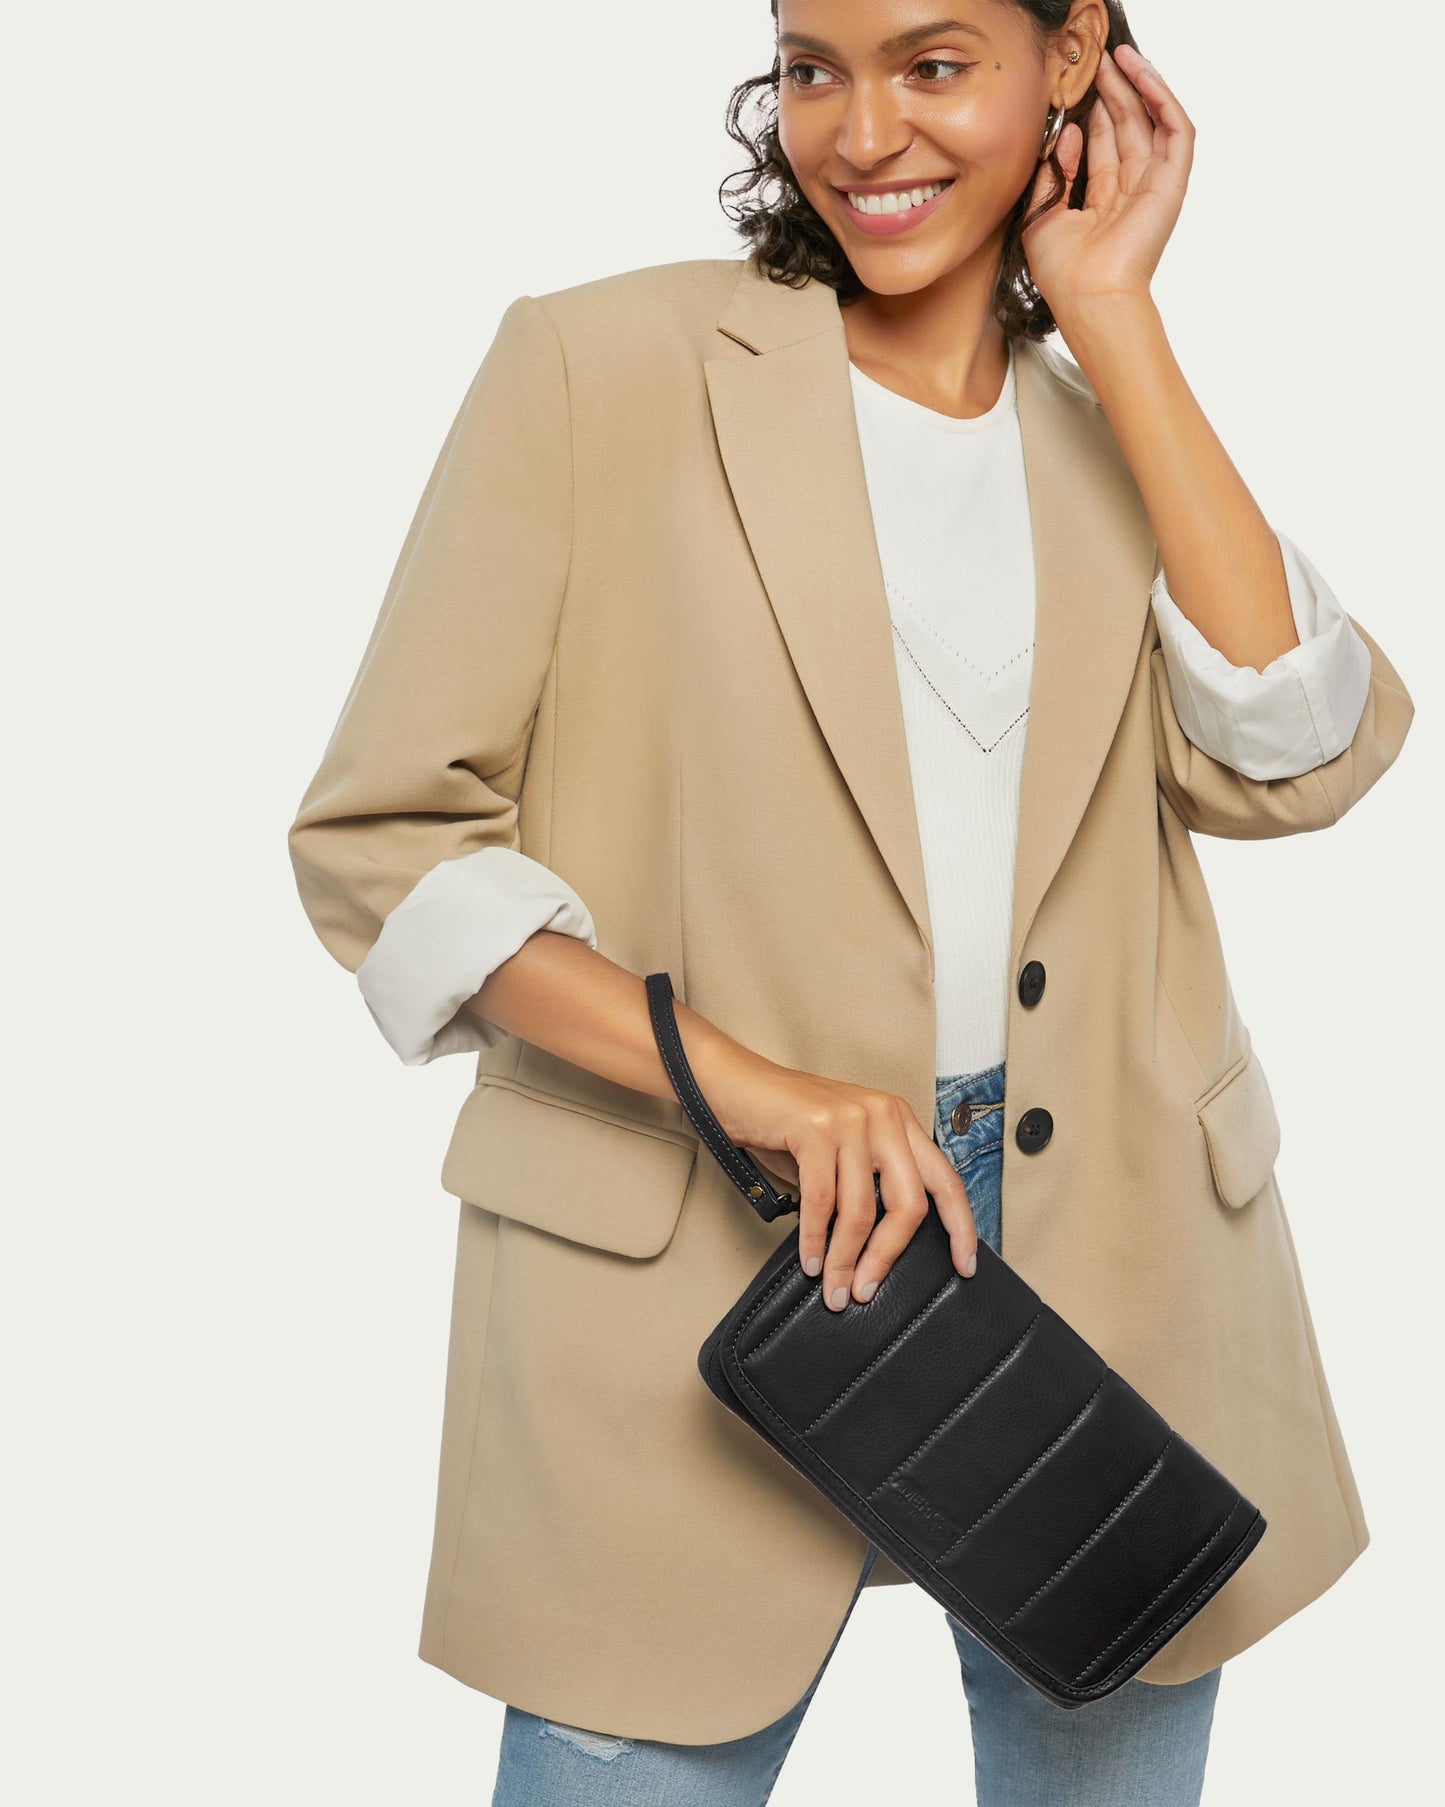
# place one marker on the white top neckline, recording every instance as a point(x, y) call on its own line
point(907, 409)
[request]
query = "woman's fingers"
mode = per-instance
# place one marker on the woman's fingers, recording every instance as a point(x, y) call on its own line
point(856, 1213)
point(830, 1169)
point(1173, 131)
point(851, 1147)
point(1133, 127)
point(950, 1199)
point(817, 1190)
point(905, 1202)
point(1103, 158)
point(846, 1145)
point(910, 1166)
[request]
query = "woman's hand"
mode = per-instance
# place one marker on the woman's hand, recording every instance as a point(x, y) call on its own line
point(1141, 148)
point(834, 1136)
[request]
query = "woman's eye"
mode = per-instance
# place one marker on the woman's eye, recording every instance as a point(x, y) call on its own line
point(799, 73)
point(793, 75)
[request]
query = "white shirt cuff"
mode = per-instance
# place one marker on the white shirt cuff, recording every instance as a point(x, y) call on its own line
point(455, 926)
point(1299, 712)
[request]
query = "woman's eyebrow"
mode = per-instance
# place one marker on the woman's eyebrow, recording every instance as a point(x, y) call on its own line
point(797, 40)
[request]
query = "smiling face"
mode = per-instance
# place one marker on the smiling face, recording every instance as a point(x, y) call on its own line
point(914, 126)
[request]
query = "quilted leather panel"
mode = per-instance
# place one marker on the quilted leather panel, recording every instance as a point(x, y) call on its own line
point(1064, 1494)
point(1113, 1579)
point(1031, 1395)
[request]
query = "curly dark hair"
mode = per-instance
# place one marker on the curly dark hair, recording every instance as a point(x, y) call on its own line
point(790, 240)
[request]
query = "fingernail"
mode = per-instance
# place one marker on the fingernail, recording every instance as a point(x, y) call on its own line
point(813, 1265)
point(970, 1267)
point(867, 1290)
point(838, 1298)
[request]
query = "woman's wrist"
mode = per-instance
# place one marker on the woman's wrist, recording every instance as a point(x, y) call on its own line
point(1112, 337)
point(716, 1058)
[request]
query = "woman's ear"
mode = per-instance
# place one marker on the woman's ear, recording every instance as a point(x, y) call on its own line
point(1086, 32)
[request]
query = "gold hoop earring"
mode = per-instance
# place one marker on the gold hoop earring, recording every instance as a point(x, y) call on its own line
point(1055, 129)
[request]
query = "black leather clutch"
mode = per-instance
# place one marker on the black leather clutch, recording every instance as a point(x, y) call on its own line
point(976, 1439)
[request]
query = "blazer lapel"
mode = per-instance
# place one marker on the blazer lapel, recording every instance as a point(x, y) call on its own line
point(1094, 559)
point(789, 442)
point(788, 437)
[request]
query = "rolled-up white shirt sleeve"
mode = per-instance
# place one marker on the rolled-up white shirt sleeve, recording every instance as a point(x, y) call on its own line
point(456, 925)
point(1299, 712)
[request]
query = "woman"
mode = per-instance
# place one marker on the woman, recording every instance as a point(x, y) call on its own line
point(838, 647)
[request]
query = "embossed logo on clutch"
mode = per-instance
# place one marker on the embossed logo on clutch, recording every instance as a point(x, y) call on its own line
point(923, 1507)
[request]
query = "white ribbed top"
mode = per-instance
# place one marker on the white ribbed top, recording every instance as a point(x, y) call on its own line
point(950, 509)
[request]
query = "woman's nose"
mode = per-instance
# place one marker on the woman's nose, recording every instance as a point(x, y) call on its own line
point(872, 129)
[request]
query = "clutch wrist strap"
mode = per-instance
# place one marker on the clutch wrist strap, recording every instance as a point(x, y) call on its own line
point(739, 1166)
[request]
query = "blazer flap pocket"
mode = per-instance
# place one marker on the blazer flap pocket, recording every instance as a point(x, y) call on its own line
point(569, 1168)
point(1241, 1130)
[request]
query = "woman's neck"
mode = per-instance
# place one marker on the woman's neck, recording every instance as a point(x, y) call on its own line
point(939, 346)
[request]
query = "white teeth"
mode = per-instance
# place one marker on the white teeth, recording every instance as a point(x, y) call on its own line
point(897, 201)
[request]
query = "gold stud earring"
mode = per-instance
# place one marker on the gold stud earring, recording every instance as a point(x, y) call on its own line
point(1073, 56)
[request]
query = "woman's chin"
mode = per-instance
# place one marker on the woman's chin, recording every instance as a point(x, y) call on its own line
point(903, 272)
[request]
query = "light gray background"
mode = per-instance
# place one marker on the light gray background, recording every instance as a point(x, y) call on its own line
point(257, 254)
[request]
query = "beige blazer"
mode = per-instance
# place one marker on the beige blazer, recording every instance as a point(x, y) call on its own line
point(638, 628)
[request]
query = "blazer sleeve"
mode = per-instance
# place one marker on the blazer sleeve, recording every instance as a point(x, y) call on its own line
point(1213, 797)
point(1299, 711)
point(423, 770)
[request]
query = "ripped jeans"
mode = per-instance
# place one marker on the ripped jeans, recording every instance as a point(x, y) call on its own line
point(1144, 1745)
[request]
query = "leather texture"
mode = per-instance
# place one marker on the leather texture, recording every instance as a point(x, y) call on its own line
point(978, 1440)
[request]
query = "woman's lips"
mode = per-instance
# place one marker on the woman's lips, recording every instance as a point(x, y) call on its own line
point(888, 225)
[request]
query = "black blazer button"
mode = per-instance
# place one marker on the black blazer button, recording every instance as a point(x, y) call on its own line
point(1035, 1128)
point(1031, 984)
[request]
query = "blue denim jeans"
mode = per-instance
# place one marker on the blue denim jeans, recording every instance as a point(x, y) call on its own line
point(1144, 1745)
